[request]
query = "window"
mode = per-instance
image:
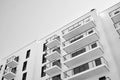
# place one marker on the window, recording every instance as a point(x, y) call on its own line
point(2, 78)
point(14, 70)
point(57, 77)
point(81, 68)
point(28, 54)
point(42, 71)
point(5, 67)
point(94, 45)
point(78, 52)
point(17, 58)
point(44, 47)
point(1, 67)
point(78, 37)
point(102, 78)
point(91, 31)
point(57, 62)
point(24, 65)
point(44, 58)
point(24, 76)
point(97, 61)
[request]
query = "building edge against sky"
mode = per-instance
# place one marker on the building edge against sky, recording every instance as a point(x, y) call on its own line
point(87, 48)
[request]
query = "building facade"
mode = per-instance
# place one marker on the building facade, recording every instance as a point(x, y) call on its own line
point(85, 49)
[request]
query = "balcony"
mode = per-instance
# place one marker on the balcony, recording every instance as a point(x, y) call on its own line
point(53, 41)
point(88, 70)
point(10, 73)
point(12, 61)
point(115, 15)
point(56, 77)
point(53, 68)
point(80, 41)
point(54, 54)
point(86, 54)
point(78, 28)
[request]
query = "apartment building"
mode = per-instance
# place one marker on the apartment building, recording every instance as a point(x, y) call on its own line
point(84, 49)
point(20, 64)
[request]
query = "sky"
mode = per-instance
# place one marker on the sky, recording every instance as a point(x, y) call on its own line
point(23, 21)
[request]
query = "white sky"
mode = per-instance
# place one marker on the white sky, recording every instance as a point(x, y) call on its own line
point(22, 21)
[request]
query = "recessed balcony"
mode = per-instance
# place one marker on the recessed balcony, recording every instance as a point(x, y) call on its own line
point(81, 27)
point(53, 68)
point(80, 42)
point(10, 73)
point(53, 41)
point(12, 61)
point(83, 55)
point(54, 54)
point(99, 66)
point(115, 15)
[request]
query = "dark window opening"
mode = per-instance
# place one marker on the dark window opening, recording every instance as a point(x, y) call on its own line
point(91, 31)
point(42, 71)
point(98, 61)
point(44, 47)
point(24, 76)
point(5, 67)
point(57, 77)
point(94, 45)
point(44, 58)
point(116, 12)
point(57, 49)
point(79, 52)
point(2, 78)
point(14, 70)
point(24, 65)
point(76, 38)
point(81, 68)
point(57, 62)
point(102, 78)
point(17, 59)
point(28, 54)
point(1, 67)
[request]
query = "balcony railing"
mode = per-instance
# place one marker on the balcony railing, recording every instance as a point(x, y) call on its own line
point(53, 41)
point(89, 69)
point(80, 36)
point(53, 68)
point(10, 73)
point(51, 64)
point(114, 12)
point(78, 24)
point(81, 40)
point(8, 70)
point(78, 28)
point(53, 54)
point(83, 50)
point(50, 51)
point(56, 77)
point(13, 58)
point(12, 61)
point(115, 15)
point(83, 55)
